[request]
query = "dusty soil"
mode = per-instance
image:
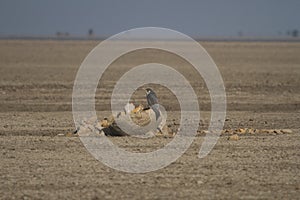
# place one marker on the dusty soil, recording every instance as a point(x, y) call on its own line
point(263, 91)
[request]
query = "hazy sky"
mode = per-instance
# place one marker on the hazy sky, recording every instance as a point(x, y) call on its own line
point(195, 18)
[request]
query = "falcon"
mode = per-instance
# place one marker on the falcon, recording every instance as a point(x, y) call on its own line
point(153, 102)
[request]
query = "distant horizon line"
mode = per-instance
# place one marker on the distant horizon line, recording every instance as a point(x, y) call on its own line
point(197, 38)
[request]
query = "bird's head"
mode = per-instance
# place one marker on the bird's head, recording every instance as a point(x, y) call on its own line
point(148, 90)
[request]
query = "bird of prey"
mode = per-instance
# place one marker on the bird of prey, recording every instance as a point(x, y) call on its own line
point(153, 102)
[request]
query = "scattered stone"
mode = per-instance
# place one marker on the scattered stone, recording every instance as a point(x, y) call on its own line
point(166, 132)
point(114, 130)
point(200, 182)
point(271, 131)
point(234, 137)
point(176, 124)
point(128, 108)
point(227, 132)
point(286, 131)
point(142, 117)
point(109, 126)
point(242, 131)
point(69, 134)
point(252, 131)
point(104, 123)
point(277, 131)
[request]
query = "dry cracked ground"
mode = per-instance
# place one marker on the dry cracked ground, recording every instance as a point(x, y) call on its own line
point(263, 92)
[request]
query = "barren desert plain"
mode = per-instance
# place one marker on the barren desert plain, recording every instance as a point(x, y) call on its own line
point(262, 82)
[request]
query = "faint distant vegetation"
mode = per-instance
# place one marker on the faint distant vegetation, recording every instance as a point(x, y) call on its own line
point(67, 35)
point(91, 32)
point(293, 33)
point(240, 34)
point(62, 34)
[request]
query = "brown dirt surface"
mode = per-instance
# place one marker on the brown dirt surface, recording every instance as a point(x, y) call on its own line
point(263, 92)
